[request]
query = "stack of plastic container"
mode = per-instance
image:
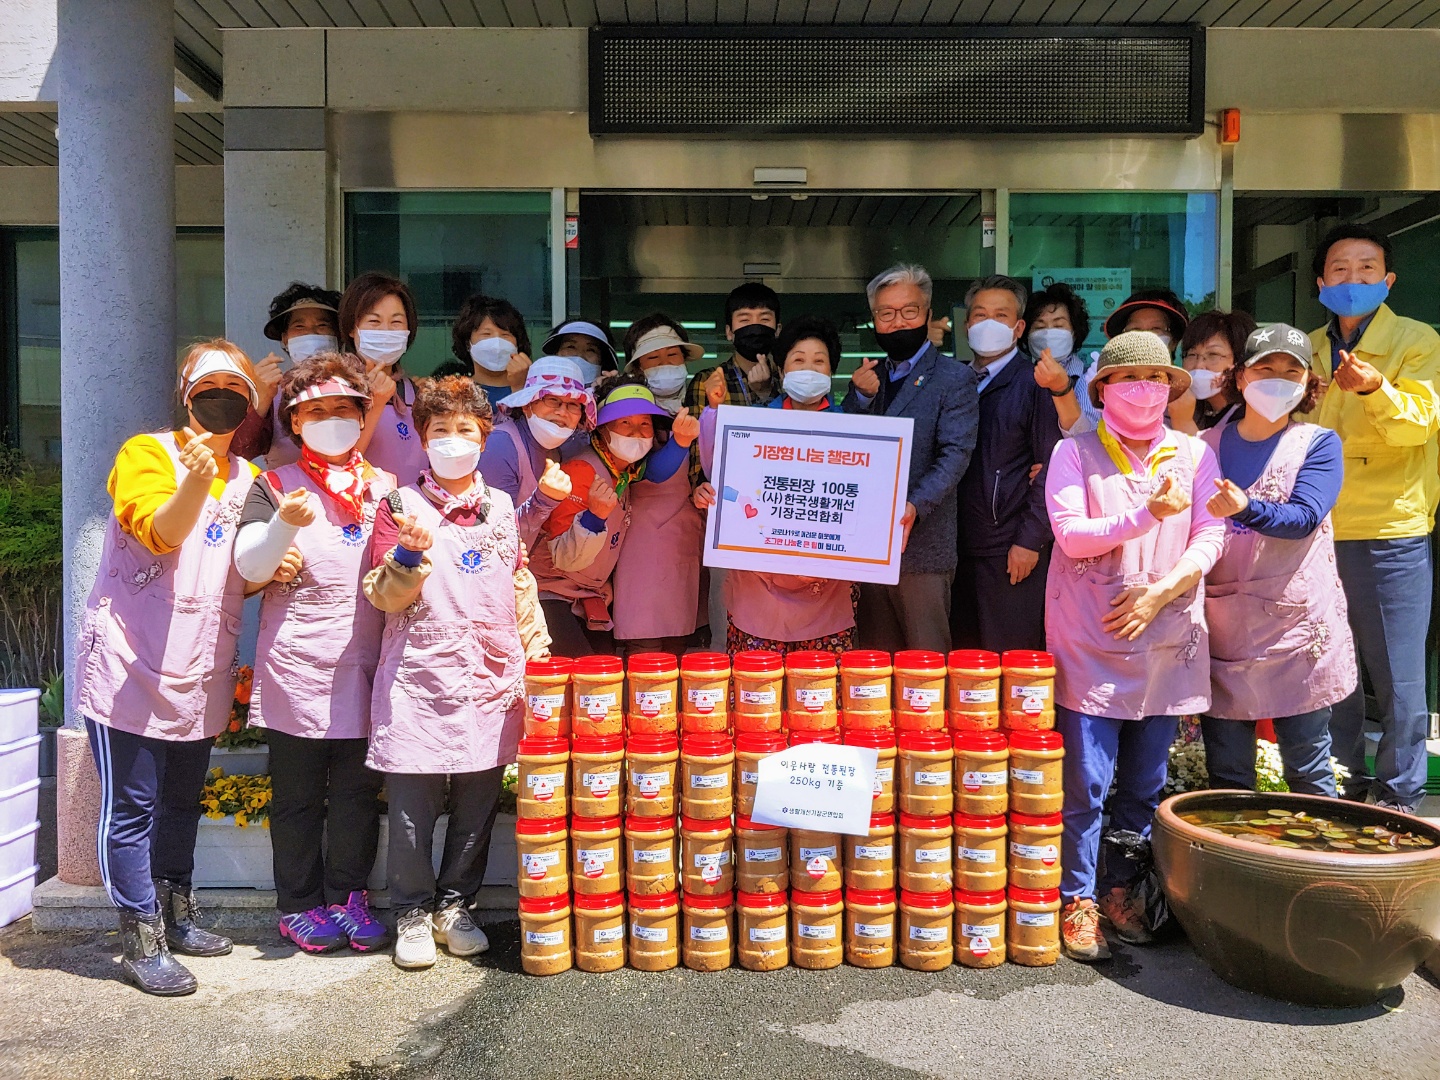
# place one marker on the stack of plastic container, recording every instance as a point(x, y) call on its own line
point(19, 800)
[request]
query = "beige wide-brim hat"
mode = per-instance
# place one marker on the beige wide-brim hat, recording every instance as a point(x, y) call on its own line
point(1137, 349)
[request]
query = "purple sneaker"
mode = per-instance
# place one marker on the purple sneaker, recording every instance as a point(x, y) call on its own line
point(313, 931)
point(366, 932)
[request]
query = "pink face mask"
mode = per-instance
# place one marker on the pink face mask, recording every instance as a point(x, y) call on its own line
point(1136, 410)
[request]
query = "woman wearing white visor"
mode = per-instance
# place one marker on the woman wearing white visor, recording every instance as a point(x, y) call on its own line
point(588, 344)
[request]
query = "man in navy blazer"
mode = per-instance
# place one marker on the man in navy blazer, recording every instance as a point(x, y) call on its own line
point(919, 381)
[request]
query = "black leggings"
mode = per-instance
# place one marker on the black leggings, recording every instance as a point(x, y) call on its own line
point(570, 637)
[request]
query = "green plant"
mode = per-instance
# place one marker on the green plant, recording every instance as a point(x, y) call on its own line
point(31, 616)
point(238, 732)
point(508, 781)
point(52, 702)
point(246, 798)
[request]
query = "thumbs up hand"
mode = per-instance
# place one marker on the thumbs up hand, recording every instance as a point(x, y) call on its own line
point(554, 483)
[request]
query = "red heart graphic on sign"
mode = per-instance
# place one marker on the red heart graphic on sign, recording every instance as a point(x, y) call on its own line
point(750, 511)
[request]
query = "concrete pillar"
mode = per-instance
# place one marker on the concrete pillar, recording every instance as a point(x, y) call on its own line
point(117, 299)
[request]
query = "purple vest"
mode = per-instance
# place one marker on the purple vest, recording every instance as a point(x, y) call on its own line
point(450, 690)
point(395, 446)
point(593, 580)
point(319, 638)
point(657, 573)
point(1280, 640)
point(157, 652)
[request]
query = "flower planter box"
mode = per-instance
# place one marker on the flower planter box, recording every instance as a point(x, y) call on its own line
point(241, 761)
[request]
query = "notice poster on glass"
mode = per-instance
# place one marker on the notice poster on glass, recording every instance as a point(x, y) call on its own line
point(1103, 288)
point(813, 494)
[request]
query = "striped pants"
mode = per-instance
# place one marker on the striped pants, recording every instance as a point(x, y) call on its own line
point(149, 811)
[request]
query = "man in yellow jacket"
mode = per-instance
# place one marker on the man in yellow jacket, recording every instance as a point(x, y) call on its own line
point(1383, 371)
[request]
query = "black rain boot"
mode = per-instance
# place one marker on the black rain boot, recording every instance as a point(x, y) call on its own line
point(147, 961)
point(180, 910)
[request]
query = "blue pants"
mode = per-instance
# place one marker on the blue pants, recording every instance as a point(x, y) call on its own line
point(1387, 585)
point(1135, 754)
point(1304, 751)
point(149, 811)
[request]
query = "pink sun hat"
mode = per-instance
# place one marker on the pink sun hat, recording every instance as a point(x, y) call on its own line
point(553, 376)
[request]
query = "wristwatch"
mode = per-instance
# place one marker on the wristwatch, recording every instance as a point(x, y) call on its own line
point(1061, 393)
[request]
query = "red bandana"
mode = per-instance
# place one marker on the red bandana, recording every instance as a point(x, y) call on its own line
point(345, 483)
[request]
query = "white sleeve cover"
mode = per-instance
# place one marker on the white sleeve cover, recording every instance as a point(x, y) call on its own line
point(259, 547)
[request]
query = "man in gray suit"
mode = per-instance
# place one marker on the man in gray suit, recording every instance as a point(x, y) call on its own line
point(919, 381)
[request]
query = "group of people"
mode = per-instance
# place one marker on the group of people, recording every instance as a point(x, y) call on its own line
point(1219, 537)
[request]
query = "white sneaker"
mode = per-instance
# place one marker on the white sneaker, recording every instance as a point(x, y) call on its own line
point(415, 940)
point(457, 933)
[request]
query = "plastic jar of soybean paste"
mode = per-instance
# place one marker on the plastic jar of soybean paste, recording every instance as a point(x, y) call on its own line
point(817, 939)
point(926, 778)
point(598, 696)
point(870, 860)
point(810, 685)
point(814, 861)
point(650, 783)
point(654, 693)
point(1028, 693)
point(547, 697)
point(542, 845)
point(709, 931)
point(926, 930)
point(761, 932)
point(598, 854)
point(651, 865)
point(545, 934)
point(597, 771)
point(919, 690)
point(974, 690)
point(870, 927)
point(980, 853)
point(979, 928)
point(1034, 927)
point(707, 776)
point(705, 692)
point(865, 688)
point(709, 866)
point(1037, 765)
point(655, 932)
point(762, 864)
point(750, 747)
point(883, 742)
point(600, 932)
point(924, 864)
point(829, 735)
point(1035, 851)
point(982, 786)
point(540, 787)
point(759, 691)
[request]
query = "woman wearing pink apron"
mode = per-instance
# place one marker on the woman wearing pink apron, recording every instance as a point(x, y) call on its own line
point(1124, 617)
point(461, 617)
point(1280, 645)
point(377, 323)
point(304, 537)
point(156, 665)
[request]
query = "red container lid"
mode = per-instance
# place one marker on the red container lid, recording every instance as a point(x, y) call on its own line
point(1034, 896)
point(719, 900)
point(873, 897)
point(809, 660)
point(927, 899)
point(1026, 658)
point(599, 665)
point(817, 899)
point(882, 821)
point(1025, 739)
point(980, 740)
point(975, 659)
point(594, 824)
point(599, 901)
point(708, 744)
point(863, 659)
point(649, 824)
point(705, 663)
point(543, 905)
point(596, 744)
point(760, 900)
point(660, 743)
point(760, 742)
point(545, 826)
point(925, 740)
point(653, 903)
point(879, 738)
point(705, 825)
point(979, 899)
point(555, 665)
point(743, 822)
point(539, 745)
point(799, 738)
point(758, 662)
point(651, 663)
point(1036, 819)
point(923, 659)
point(924, 821)
point(979, 821)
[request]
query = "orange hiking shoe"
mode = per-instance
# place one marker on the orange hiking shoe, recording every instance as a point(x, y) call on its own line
point(1080, 931)
point(1123, 918)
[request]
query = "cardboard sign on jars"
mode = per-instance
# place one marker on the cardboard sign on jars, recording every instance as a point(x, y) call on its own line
point(817, 786)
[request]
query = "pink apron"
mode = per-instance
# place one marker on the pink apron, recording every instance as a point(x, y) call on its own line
point(1164, 672)
point(657, 576)
point(395, 446)
point(157, 654)
point(592, 581)
point(450, 690)
point(319, 638)
point(1280, 641)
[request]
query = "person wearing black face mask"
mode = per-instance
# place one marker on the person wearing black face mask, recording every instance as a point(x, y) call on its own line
point(752, 317)
point(916, 380)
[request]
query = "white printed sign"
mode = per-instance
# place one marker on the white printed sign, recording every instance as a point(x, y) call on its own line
point(817, 786)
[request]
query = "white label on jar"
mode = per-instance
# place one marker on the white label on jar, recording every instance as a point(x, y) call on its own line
point(882, 777)
point(650, 701)
point(705, 700)
point(649, 783)
point(537, 861)
point(970, 854)
point(650, 933)
point(978, 697)
point(823, 931)
point(921, 697)
point(977, 779)
point(933, 779)
point(767, 933)
point(878, 851)
point(980, 931)
point(708, 933)
point(544, 706)
point(549, 937)
point(541, 785)
point(808, 853)
point(596, 706)
point(1044, 853)
point(872, 929)
point(932, 854)
point(979, 946)
point(929, 933)
point(814, 698)
point(711, 858)
point(757, 697)
point(592, 862)
point(601, 784)
point(1034, 918)
point(1041, 691)
point(764, 854)
point(604, 935)
point(715, 780)
point(749, 777)
point(663, 854)
point(869, 690)
point(1027, 776)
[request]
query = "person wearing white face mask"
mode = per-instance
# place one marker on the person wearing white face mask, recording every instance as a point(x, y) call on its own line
point(1212, 343)
point(490, 343)
point(303, 539)
point(303, 320)
point(378, 322)
point(1280, 643)
point(588, 344)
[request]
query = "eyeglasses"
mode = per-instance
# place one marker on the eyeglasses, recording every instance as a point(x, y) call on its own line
point(890, 315)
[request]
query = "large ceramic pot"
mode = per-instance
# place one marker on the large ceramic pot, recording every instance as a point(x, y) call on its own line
point(1312, 927)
